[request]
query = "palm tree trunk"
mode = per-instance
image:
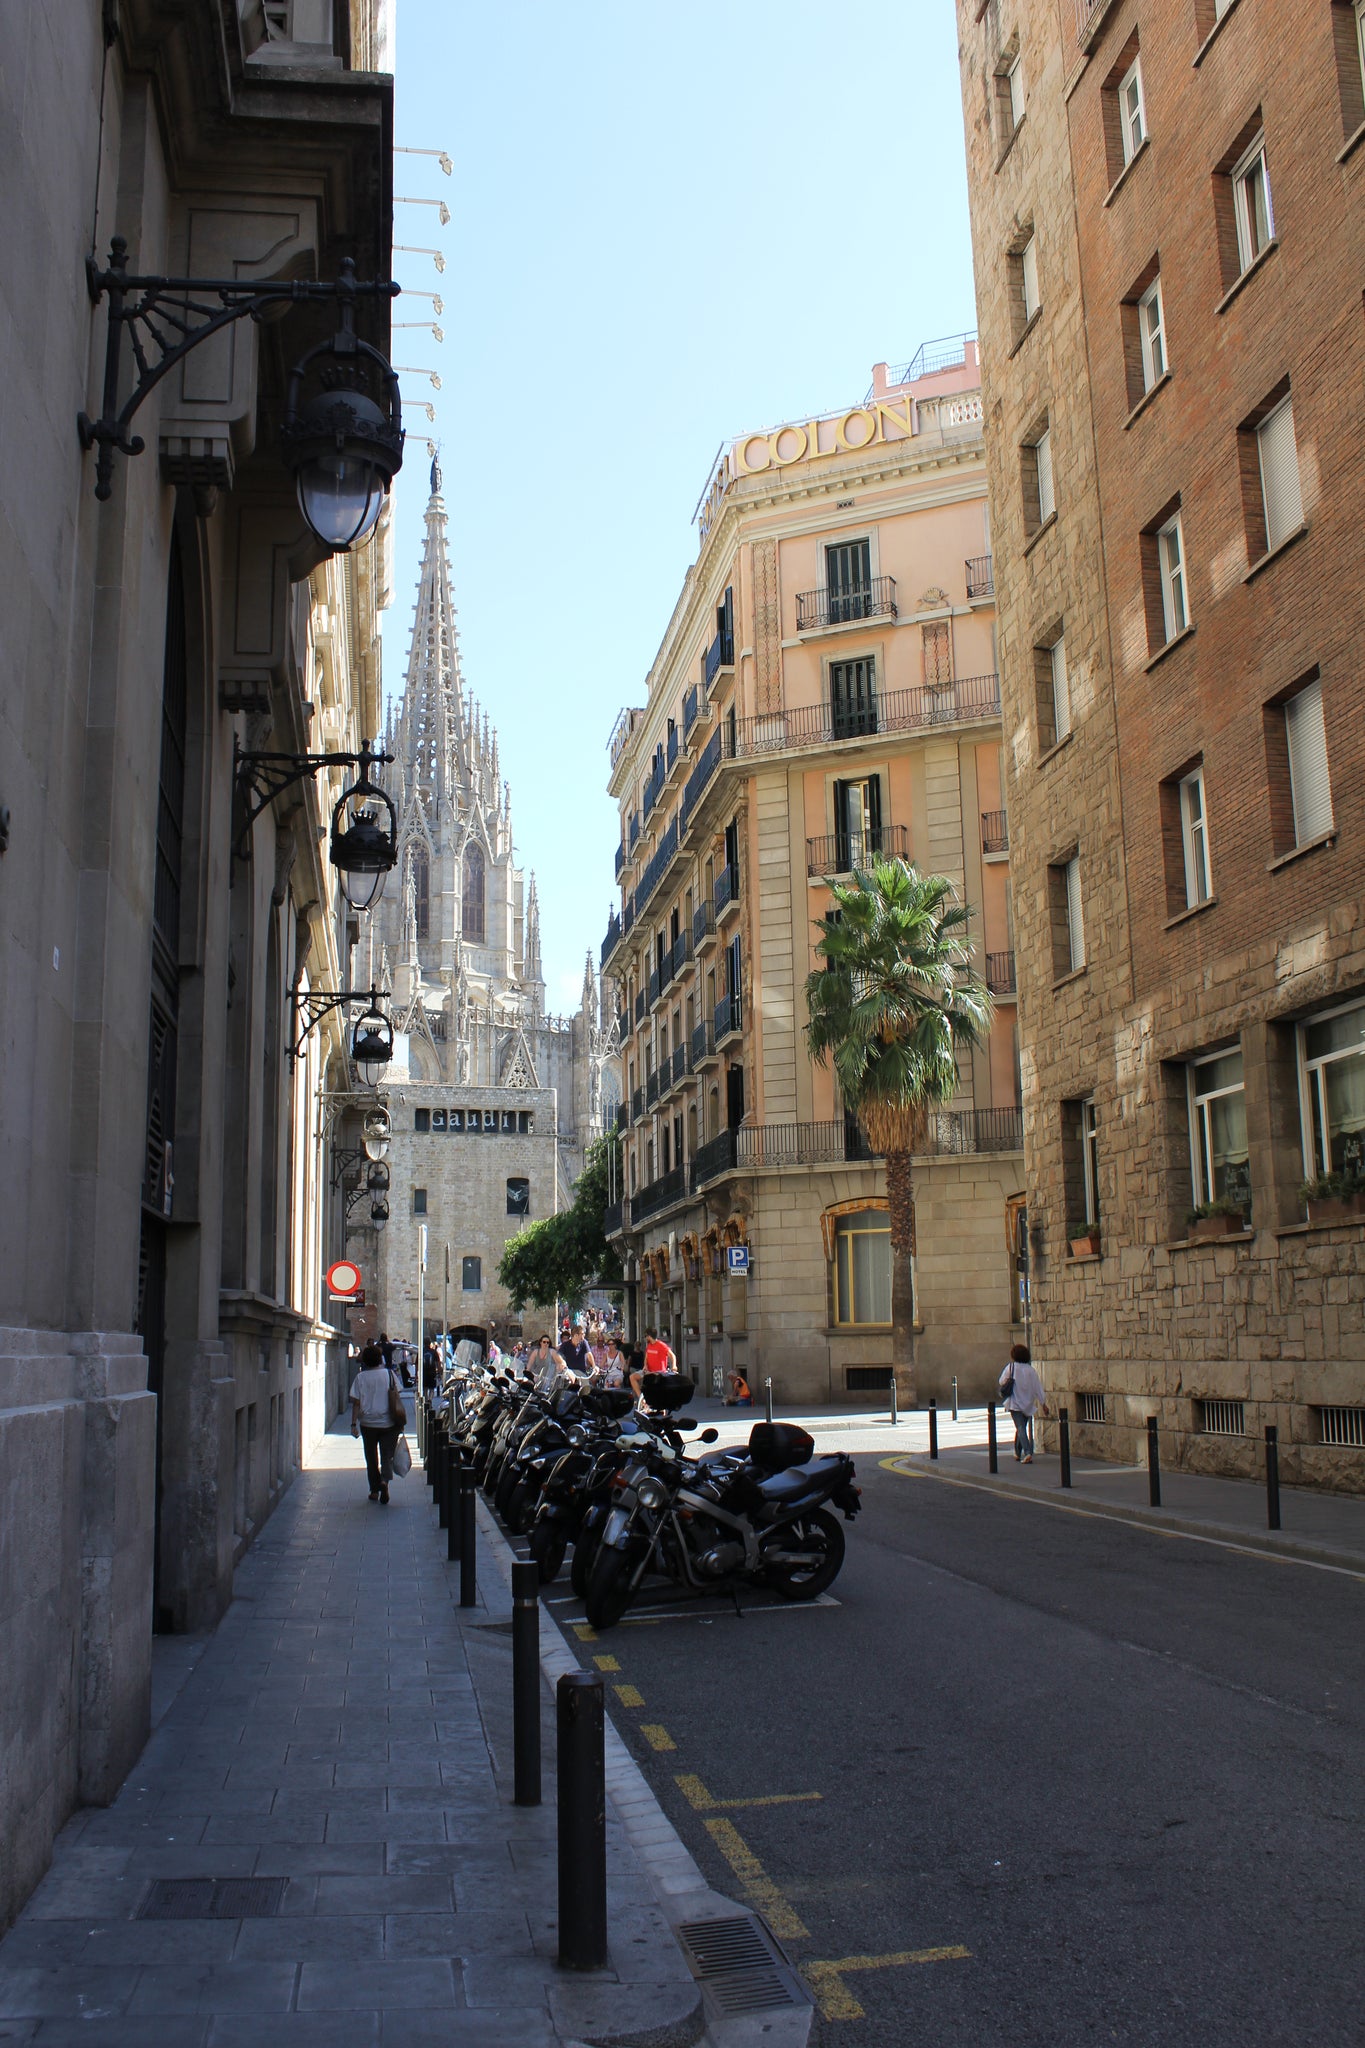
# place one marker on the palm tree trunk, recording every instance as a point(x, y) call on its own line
point(900, 1201)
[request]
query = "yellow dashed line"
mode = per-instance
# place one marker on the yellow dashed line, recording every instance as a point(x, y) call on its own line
point(701, 1801)
point(655, 1736)
point(629, 1697)
point(606, 1663)
point(755, 1883)
point(584, 1633)
point(833, 1996)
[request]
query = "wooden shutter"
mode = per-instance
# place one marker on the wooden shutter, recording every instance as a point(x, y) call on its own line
point(1280, 475)
point(1309, 782)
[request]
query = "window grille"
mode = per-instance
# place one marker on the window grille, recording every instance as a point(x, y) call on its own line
point(867, 1379)
point(1090, 1408)
point(1342, 1426)
point(1222, 1418)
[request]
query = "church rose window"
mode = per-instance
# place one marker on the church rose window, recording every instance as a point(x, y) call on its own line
point(472, 906)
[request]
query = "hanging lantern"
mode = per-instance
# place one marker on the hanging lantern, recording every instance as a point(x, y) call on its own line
point(372, 1045)
point(364, 847)
point(376, 1133)
point(344, 441)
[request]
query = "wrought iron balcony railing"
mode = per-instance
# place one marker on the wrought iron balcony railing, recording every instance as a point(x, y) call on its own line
point(875, 599)
point(995, 832)
point(611, 1219)
point(727, 888)
point(613, 938)
point(703, 1043)
point(659, 1194)
point(620, 860)
point(672, 753)
point(622, 1115)
point(639, 1005)
point(624, 1026)
point(703, 924)
point(637, 1105)
point(1000, 974)
point(693, 789)
point(689, 709)
point(652, 1090)
point(682, 952)
point(729, 1016)
point(838, 853)
point(980, 577)
point(964, 701)
point(948, 1133)
point(720, 654)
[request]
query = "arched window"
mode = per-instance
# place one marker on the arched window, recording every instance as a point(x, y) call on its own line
point(862, 1268)
point(472, 907)
point(421, 890)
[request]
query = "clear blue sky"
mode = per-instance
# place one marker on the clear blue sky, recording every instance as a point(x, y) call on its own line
point(669, 222)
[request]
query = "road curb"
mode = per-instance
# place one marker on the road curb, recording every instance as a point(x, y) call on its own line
point(1267, 1543)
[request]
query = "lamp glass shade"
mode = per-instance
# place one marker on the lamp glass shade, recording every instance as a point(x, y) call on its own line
point(362, 853)
point(376, 1146)
point(379, 1214)
point(340, 495)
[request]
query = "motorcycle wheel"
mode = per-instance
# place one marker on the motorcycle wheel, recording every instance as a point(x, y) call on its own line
point(609, 1588)
point(548, 1546)
point(521, 1507)
point(817, 1531)
point(505, 1488)
point(584, 1551)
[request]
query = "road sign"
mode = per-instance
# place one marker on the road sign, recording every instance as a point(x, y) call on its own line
point(736, 1258)
point(343, 1280)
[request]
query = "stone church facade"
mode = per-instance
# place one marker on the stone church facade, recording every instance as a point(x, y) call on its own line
point(493, 1099)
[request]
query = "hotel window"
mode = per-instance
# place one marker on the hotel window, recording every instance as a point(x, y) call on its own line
point(1332, 1057)
point(1053, 692)
point(1151, 320)
point(857, 823)
point(862, 1268)
point(1219, 1156)
point(1132, 112)
point(1252, 216)
point(471, 1275)
point(518, 1196)
point(853, 697)
point(1194, 838)
point(1310, 786)
point(1066, 917)
point(936, 646)
point(1278, 460)
point(848, 581)
point(419, 1201)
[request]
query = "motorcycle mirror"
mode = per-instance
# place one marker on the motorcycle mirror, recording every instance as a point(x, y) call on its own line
point(709, 1436)
point(685, 1422)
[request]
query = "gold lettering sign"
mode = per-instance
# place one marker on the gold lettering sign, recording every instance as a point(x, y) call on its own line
point(843, 434)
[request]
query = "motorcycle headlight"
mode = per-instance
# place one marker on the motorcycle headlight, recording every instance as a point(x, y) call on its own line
point(650, 1494)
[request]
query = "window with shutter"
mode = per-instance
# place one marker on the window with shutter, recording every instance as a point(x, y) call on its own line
point(1280, 487)
point(848, 578)
point(1309, 782)
point(1195, 838)
point(1152, 335)
point(853, 698)
point(1029, 270)
point(1074, 923)
point(1047, 503)
point(1061, 691)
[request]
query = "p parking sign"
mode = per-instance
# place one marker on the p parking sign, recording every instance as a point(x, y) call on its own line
point(736, 1258)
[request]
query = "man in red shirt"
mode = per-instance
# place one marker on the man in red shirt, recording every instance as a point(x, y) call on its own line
point(658, 1355)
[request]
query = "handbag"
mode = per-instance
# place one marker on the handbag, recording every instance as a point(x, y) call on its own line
point(402, 1459)
point(397, 1409)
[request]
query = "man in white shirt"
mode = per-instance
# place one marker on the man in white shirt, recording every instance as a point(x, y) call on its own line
point(1024, 1397)
point(375, 1402)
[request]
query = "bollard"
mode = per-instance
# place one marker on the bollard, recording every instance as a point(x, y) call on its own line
point(429, 1451)
point(894, 1415)
point(768, 1398)
point(933, 1429)
point(954, 1397)
point(1272, 1476)
point(1153, 1464)
point(526, 1684)
point(1064, 1435)
point(992, 1445)
point(452, 1486)
point(582, 1822)
point(464, 1507)
point(445, 1492)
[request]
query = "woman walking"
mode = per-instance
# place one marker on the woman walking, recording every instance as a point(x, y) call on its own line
point(1024, 1397)
point(377, 1416)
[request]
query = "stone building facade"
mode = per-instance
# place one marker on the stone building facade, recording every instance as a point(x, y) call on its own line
point(493, 1100)
point(1169, 244)
point(825, 693)
point(163, 1349)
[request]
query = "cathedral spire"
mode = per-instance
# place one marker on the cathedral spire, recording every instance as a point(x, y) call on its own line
point(429, 736)
point(532, 932)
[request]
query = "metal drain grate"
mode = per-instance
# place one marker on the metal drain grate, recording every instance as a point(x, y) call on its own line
point(739, 1965)
point(213, 1898)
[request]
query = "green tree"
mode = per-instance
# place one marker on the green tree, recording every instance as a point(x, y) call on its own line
point(559, 1257)
point(892, 1006)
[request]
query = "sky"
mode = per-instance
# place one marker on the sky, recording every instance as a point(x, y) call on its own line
point(669, 223)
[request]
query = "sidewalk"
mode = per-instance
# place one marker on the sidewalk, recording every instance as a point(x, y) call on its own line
point(1321, 1528)
point(346, 1731)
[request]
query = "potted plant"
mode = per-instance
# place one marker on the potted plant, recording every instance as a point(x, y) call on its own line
point(1088, 1245)
point(1334, 1197)
point(1222, 1217)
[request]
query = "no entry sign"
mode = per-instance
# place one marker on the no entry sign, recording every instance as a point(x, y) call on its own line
point(343, 1279)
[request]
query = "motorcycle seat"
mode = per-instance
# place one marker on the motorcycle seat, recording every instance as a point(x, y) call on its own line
point(798, 1479)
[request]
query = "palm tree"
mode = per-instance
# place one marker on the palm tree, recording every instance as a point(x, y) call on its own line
point(893, 1005)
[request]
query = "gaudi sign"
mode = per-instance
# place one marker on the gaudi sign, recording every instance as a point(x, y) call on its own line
point(842, 434)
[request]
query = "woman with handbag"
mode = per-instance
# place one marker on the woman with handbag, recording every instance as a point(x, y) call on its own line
point(378, 1416)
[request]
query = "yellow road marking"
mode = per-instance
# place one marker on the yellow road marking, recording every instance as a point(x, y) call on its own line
point(655, 1736)
point(584, 1633)
point(755, 1883)
point(701, 1801)
point(833, 1996)
point(606, 1663)
point(627, 1694)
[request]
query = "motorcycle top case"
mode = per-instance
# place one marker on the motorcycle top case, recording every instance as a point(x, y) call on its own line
point(776, 1446)
point(666, 1392)
point(609, 1401)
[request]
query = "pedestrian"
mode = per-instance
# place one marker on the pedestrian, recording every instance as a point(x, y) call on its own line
point(377, 1416)
point(613, 1370)
point(575, 1353)
point(659, 1355)
point(740, 1395)
point(1024, 1397)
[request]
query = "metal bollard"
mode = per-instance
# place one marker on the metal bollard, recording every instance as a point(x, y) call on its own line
point(1153, 1464)
point(464, 1507)
point(445, 1495)
point(894, 1415)
point(992, 1446)
point(768, 1398)
point(1064, 1435)
point(582, 1822)
point(452, 1487)
point(933, 1429)
point(1272, 1476)
point(954, 1397)
point(526, 1684)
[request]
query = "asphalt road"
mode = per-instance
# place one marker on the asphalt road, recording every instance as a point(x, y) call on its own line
point(1122, 1770)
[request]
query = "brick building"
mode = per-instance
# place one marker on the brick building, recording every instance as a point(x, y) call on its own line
point(1166, 202)
point(825, 692)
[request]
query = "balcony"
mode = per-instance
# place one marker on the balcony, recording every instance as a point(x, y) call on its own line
point(838, 853)
point(682, 1062)
point(654, 870)
point(715, 1157)
point(613, 938)
point(654, 783)
point(623, 1026)
point(729, 1017)
point(634, 830)
point(652, 1090)
point(703, 1046)
point(623, 731)
point(653, 988)
point(818, 609)
point(689, 709)
point(682, 954)
point(659, 1194)
point(1000, 974)
point(639, 1006)
point(620, 861)
point(966, 700)
point(693, 789)
point(703, 925)
point(980, 578)
point(727, 889)
point(720, 654)
point(611, 1219)
point(622, 1116)
point(995, 832)
point(637, 1105)
point(949, 1133)
point(672, 753)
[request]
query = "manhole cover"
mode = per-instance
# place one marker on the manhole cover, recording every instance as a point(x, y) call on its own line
point(739, 1964)
point(213, 1898)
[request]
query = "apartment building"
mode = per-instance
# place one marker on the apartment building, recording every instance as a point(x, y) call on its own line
point(1169, 239)
point(825, 693)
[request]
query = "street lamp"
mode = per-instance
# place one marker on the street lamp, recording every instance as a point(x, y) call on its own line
point(379, 1213)
point(362, 849)
point(371, 1038)
point(375, 1133)
point(377, 1179)
point(372, 1045)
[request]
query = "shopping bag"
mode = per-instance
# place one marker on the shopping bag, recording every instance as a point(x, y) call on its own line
point(402, 1459)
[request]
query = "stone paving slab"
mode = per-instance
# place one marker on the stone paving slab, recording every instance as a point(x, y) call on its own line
point(347, 1728)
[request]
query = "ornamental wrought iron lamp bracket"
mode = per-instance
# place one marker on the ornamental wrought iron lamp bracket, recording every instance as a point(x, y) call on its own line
point(310, 1006)
point(362, 849)
point(165, 318)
